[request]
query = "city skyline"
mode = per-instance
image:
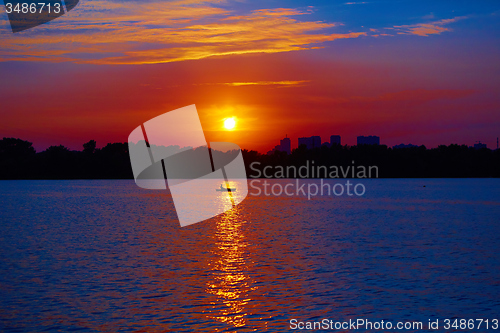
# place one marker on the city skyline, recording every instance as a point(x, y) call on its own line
point(370, 140)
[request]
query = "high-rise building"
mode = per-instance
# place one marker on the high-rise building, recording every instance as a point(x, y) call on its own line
point(310, 142)
point(305, 141)
point(335, 139)
point(368, 140)
point(286, 145)
point(316, 141)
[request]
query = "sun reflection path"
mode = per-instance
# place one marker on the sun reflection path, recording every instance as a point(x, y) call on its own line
point(230, 283)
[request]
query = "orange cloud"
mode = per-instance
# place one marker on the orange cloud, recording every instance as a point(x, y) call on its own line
point(426, 29)
point(267, 83)
point(105, 32)
point(252, 83)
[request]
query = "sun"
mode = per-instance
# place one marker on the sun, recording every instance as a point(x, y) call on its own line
point(229, 123)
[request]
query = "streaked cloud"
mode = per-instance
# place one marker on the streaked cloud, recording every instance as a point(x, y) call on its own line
point(267, 83)
point(426, 29)
point(279, 84)
point(106, 32)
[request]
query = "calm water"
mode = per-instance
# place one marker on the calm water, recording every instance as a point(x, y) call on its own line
point(106, 256)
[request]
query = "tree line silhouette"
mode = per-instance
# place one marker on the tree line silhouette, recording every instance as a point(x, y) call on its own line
point(19, 160)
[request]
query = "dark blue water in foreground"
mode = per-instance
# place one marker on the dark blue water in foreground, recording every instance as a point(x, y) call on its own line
point(107, 256)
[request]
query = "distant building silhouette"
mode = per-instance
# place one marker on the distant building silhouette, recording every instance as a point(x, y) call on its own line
point(335, 139)
point(310, 142)
point(404, 146)
point(305, 141)
point(316, 140)
point(368, 140)
point(480, 145)
point(285, 145)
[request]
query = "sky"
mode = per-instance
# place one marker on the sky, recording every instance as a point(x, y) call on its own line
point(419, 72)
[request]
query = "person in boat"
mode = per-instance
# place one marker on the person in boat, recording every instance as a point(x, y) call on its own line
point(221, 187)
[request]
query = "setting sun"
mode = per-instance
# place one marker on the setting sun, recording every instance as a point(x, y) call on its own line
point(229, 123)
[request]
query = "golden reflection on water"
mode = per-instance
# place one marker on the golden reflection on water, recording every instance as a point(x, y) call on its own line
point(230, 282)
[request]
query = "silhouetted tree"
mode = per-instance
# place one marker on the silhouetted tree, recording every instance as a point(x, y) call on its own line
point(89, 147)
point(15, 148)
point(114, 161)
point(16, 156)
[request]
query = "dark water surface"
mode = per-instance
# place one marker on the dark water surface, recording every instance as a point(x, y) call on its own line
point(107, 256)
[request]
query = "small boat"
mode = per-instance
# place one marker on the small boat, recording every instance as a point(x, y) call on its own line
point(226, 189)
